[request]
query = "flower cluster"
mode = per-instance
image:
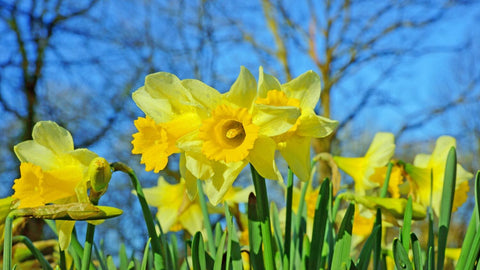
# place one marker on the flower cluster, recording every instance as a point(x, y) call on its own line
point(217, 134)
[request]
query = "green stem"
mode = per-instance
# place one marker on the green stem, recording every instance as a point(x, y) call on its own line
point(87, 249)
point(147, 215)
point(206, 218)
point(7, 241)
point(264, 216)
point(288, 218)
point(383, 192)
point(35, 252)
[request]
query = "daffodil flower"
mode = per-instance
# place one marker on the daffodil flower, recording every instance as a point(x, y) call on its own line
point(175, 210)
point(427, 166)
point(303, 93)
point(52, 171)
point(217, 134)
point(361, 169)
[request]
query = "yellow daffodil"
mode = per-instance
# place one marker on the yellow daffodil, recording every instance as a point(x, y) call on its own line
point(171, 112)
point(424, 166)
point(175, 210)
point(303, 93)
point(52, 171)
point(217, 134)
point(361, 169)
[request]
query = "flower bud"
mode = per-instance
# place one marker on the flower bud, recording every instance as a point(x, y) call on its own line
point(99, 174)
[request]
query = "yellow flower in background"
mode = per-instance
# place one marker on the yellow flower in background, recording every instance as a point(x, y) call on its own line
point(52, 171)
point(424, 166)
point(361, 169)
point(395, 180)
point(303, 93)
point(175, 210)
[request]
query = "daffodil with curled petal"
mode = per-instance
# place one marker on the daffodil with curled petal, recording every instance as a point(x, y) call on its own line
point(223, 133)
point(361, 169)
point(427, 166)
point(52, 171)
point(303, 93)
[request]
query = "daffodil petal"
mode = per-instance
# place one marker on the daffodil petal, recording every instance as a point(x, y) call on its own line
point(262, 157)
point(225, 175)
point(274, 120)
point(243, 90)
point(83, 155)
point(266, 83)
point(64, 229)
point(159, 109)
point(312, 125)
point(442, 147)
point(237, 195)
point(356, 168)
point(190, 180)
point(421, 160)
point(192, 219)
point(297, 155)
point(305, 88)
point(52, 136)
point(461, 195)
point(206, 96)
point(61, 183)
point(198, 165)
point(381, 149)
point(32, 152)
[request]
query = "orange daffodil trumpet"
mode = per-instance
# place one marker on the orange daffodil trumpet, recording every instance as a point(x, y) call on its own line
point(425, 167)
point(218, 134)
point(52, 171)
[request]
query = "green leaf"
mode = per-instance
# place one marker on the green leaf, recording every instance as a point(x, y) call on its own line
point(145, 255)
point(400, 256)
point(218, 234)
point(234, 257)
point(254, 234)
point(384, 190)
point(467, 255)
point(366, 252)
point(110, 263)
point(431, 241)
point(198, 252)
point(377, 245)
point(306, 252)
point(220, 252)
point(206, 218)
point(319, 225)
point(341, 253)
point(407, 222)
point(417, 252)
point(123, 257)
point(277, 232)
point(100, 257)
point(288, 219)
point(446, 205)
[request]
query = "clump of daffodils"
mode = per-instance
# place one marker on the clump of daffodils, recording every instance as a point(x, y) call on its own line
point(217, 134)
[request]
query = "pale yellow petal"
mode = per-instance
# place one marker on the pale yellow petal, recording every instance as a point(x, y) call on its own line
point(442, 147)
point(207, 97)
point(421, 160)
point(192, 219)
point(190, 180)
point(262, 157)
point(305, 88)
point(167, 218)
point(266, 83)
point(61, 183)
point(83, 155)
point(237, 195)
point(296, 153)
point(159, 109)
point(381, 149)
point(222, 180)
point(244, 89)
point(312, 125)
point(32, 152)
point(52, 136)
point(274, 120)
point(198, 165)
point(357, 169)
point(64, 229)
